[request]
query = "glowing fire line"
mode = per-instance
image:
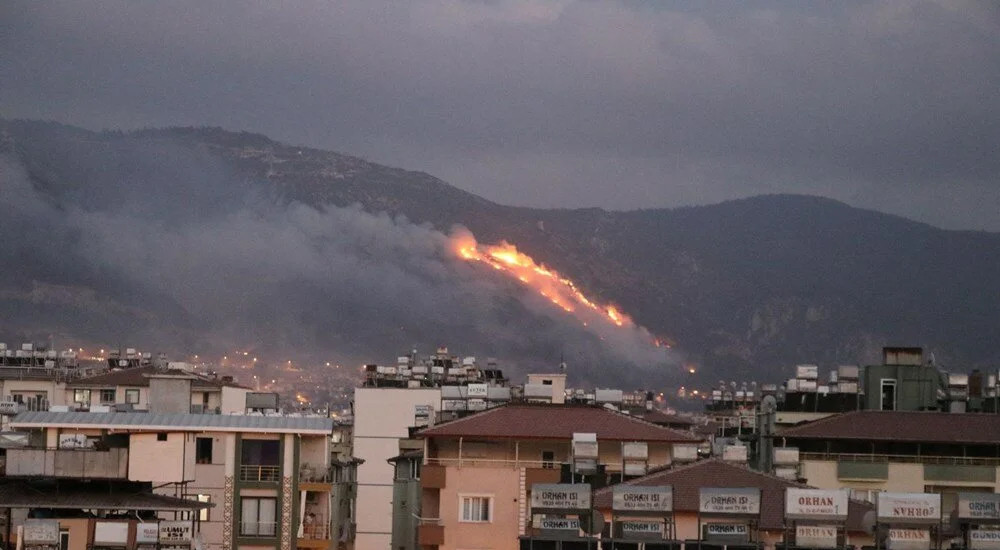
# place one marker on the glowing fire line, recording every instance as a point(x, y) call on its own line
point(548, 283)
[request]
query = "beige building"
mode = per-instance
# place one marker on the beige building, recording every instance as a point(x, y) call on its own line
point(268, 478)
point(478, 471)
point(130, 387)
point(901, 451)
point(383, 416)
point(768, 526)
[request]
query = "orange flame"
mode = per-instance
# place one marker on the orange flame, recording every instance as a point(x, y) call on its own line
point(548, 283)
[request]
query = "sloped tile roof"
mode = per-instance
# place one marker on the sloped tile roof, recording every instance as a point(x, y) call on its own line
point(556, 422)
point(910, 426)
point(687, 480)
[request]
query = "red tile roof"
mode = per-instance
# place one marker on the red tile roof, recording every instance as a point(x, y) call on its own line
point(910, 426)
point(689, 479)
point(556, 422)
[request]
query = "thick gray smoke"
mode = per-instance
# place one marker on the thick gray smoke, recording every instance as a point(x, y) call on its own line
point(154, 244)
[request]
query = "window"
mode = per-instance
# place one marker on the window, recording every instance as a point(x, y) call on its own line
point(888, 394)
point(257, 517)
point(107, 396)
point(548, 459)
point(476, 508)
point(132, 396)
point(81, 396)
point(203, 450)
point(260, 452)
point(162, 436)
point(63, 540)
point(546, 382)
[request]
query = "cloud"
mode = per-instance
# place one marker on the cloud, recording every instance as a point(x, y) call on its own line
point(887, 105)
point(166, 247)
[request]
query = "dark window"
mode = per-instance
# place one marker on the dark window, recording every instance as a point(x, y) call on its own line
point(63, 540)
point(546, 382)
point(107, 396)
point(132, 396)
point(203, 450)
point(888, 395)
point(548, 459)
point(260, 452)
point(162, 436)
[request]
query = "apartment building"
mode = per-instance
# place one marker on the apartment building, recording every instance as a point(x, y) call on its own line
point(478, 470)
point(763, 521)
point(902, 451)
point(69, 514)
point(266, 479)
point(130, 388)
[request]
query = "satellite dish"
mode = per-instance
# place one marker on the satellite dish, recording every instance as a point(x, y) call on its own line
point(592, 523)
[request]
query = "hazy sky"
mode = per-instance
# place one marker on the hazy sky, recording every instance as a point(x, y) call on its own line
point(888, 105)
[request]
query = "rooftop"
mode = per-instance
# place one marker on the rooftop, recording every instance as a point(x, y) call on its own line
point(688, 480)
point(909, 426)
point(78, 495)
point(139, 376)
point(175, 422)
point(556, 422)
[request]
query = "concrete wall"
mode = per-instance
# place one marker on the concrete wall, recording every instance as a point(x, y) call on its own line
point(233, 400)
point(169, 394)
point(381, 417)
point(169, 461)
point(501, 485)
point(55, 391)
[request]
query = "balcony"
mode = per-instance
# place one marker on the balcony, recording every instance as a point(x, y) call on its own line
point(71, 463)
point(260, 473)
point(430, 532)
point(432, 477)
point(315, 535)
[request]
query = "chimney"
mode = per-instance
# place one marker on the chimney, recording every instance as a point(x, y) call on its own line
point(169, 394)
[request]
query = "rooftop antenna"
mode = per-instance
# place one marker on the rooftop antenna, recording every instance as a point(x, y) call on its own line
point(562, 362)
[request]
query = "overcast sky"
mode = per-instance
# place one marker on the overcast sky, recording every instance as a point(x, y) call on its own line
point(893, 106)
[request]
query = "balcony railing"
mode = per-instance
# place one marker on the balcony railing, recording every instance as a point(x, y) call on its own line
point(494, 463)
point(318, 530)
point(258, 528)
point(258, 472)
point(912, 459)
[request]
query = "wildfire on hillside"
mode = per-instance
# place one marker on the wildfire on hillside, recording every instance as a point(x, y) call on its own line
point(559, 290)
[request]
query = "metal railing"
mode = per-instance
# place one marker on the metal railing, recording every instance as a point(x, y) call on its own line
point(318, 530)
point(494, 463)
point(257, 472)
point(258, 528)
point(911, 459)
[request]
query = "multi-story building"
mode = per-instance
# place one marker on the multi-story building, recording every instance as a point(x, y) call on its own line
point(129, 389)
point(767, 525)
point(478, 470)
point(902, 451)
point(268, 478)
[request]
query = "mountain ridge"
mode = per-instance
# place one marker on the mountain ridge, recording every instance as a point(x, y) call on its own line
point(752, 283)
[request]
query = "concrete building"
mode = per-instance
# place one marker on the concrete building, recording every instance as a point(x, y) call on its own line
point(68, 514)
point(406, 499)
point(267, 477)
point(130, 388)
point(383, 416)
point(903, 451)
point(478, 471)
point(768, 526)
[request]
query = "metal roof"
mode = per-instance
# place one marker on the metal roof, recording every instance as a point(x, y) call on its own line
point(174, 422)
point(20, 494)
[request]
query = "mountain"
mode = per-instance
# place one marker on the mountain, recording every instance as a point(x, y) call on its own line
point(744, 288)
